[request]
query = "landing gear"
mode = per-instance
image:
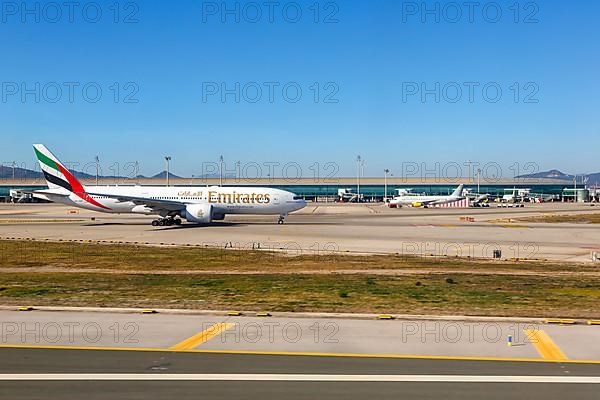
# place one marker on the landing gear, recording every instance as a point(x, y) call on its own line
point(168, 221)
point(281, 219)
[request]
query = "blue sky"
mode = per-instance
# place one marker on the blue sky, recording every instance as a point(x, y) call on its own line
point(366, 58)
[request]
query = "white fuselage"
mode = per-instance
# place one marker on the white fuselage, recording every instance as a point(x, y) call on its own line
point(224, 200)
point(424, 200)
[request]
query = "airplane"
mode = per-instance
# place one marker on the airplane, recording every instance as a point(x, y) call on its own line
point(416, 200)
point(509, 197)
point(200, 205)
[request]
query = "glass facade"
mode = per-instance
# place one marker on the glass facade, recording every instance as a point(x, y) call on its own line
point(311, 191)
point(378, 190)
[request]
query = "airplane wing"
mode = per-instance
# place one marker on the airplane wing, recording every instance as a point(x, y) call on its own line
point(43, 191)
point(155, 204)
point(423, 202)
point(428, 202)
point(46, 194)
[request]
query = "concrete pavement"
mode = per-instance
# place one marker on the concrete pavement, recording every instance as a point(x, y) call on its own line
point(324, 228)
point(284, 335)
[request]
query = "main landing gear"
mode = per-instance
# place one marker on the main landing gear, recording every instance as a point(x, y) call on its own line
point(169, 221)
point(281, 219)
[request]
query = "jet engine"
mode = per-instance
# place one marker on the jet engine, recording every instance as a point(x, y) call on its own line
point(141, 210)
point(198, 213)
point(417, 204)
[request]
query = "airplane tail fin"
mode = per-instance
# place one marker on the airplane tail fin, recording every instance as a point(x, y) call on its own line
point(56, 174)
point(458, 192)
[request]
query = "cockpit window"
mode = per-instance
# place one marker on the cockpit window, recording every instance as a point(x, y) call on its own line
point(298, 198)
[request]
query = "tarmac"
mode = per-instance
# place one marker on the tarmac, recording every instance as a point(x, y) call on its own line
point(126, 354)
point(327, 227)
point(166, 375)
point(129, 355)
point(503, 339)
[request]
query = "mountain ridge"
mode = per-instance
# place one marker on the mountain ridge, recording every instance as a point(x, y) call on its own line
point(592, 178)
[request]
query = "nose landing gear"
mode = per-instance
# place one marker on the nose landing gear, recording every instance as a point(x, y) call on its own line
point(281, 219)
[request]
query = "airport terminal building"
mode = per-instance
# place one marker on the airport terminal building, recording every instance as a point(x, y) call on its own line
point(370, 189)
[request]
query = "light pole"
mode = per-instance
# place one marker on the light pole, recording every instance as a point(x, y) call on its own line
point(97, 159)
point(137, 172)
point(386, 172)
point(14, 166)
point(470, 171)
point(358, 161)
point(238, 170)
point(167, 159)
point(221, 170)
point(362, 170)
point(478, 179)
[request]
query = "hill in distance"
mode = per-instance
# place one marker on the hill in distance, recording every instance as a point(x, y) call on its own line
point(6, 172)
point(592, 179)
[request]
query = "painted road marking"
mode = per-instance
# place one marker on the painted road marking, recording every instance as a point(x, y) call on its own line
point(202, 337)
point(545, 346)
point(304, 378)
point(298, 353)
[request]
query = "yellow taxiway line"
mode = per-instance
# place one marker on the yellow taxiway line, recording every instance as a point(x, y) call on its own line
point(298, 353)
point(545, 345)
point(202, 337)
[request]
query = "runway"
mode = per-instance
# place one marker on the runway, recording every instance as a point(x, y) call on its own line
point(325, 228)
point(231, 376)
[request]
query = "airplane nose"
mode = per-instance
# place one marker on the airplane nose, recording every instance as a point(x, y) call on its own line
point(297, 202)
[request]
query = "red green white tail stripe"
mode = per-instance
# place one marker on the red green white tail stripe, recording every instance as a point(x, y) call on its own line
point(57, 176)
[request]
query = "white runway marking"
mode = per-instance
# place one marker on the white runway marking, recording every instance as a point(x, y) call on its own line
point(302, 378)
